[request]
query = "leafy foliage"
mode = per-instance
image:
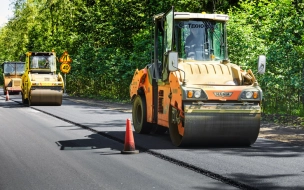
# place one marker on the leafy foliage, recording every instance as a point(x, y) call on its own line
point(109, 39)
point(274, 28)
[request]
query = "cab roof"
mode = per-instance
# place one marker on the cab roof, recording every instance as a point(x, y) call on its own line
point(41, 53)
point(188, 16)
point(10, 62)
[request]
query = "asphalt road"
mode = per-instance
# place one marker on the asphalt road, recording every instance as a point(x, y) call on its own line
point(48, 147)
point(39, 151)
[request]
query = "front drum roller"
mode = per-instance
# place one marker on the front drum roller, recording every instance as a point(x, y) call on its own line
point(209, 129)
point(45, 97)
point(139, 115)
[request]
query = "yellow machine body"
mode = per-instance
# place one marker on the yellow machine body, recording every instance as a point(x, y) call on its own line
point(41, 85)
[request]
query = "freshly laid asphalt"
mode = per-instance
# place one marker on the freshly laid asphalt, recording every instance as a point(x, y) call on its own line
point(265, 165)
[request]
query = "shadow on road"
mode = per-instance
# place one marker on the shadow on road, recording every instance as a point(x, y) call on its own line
point(93, 141)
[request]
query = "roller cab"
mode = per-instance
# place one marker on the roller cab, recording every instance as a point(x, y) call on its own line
point(12, 73)
point(191, 89)
point(41, 85)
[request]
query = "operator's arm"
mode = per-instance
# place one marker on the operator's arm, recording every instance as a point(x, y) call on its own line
point(189, 46)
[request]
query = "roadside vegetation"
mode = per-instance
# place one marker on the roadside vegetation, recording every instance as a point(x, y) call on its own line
point(109, 39)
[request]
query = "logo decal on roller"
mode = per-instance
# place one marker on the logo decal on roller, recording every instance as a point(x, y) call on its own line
point(222, 94)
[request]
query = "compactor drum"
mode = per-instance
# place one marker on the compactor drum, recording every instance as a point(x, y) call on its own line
point(12, 73)
point(40, 83)
point(192, 89)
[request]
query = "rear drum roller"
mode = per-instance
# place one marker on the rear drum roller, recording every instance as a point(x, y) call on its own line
point(139, 115)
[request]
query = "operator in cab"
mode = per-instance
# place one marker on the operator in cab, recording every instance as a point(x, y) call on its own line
point(194, 41)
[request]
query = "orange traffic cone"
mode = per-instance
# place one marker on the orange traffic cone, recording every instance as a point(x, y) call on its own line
point(7, 96)
point(129, 147)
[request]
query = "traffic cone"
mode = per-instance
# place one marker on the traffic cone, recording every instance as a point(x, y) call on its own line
point(7, 96)
point(129, 147)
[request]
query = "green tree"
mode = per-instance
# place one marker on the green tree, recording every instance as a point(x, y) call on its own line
point(274, 28)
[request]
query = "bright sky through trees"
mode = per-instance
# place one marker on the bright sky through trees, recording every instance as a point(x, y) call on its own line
point(5, 11)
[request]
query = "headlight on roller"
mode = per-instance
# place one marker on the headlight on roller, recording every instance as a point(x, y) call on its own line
point(197, 93)
point(194, 93)
point(249, 94)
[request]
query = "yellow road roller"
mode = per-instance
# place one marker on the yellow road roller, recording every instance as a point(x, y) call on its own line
point(41, 85)
point(12, 73)
point(191, 88)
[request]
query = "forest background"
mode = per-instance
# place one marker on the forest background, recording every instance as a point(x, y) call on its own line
point(109, 39)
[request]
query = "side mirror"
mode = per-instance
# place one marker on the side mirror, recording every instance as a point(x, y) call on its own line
point(173, 61)
point(261, 64)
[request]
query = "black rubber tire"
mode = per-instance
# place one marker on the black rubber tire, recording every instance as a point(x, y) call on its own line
point(29, 101)
point(24, 101)
point(139, 116)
